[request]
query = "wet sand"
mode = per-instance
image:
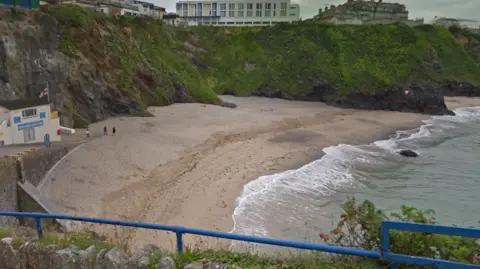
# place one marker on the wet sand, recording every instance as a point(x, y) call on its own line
point(187, 165)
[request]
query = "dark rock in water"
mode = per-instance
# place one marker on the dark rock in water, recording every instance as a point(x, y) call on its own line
point(408, 153)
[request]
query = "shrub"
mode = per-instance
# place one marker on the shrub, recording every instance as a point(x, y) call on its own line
point(359, 226)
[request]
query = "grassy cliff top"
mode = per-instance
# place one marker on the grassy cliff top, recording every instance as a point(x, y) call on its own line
point(352, 58)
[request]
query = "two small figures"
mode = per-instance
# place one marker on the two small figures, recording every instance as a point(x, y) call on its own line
point(106, 133)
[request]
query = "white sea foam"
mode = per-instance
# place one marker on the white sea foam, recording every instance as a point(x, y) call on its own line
point(277, 198)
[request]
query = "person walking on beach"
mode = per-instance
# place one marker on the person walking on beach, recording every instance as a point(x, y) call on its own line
point(105, 130)
point(87, 133)
point(113, 131)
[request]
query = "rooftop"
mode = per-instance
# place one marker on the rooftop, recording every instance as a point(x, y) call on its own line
point(18, 104)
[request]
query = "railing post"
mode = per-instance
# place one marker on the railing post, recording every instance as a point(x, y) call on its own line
point(385, 237)
point(179, 242)
point(38, 223)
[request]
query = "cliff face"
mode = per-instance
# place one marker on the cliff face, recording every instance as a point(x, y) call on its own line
point(98, 66)
point(29, 56)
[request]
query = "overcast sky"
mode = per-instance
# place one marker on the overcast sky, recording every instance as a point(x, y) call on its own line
point(469, 9)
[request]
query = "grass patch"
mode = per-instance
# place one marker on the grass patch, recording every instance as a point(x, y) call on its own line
point(248, 260)
point(82, 240)
point(17, 242)
point(6, 232)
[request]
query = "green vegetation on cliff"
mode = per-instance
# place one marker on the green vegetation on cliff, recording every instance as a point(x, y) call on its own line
point(122, 64)
point(136, 55)
point(290, 58)
point(286, 59)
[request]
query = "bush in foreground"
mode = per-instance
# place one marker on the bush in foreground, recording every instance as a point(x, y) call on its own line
point(360, 227)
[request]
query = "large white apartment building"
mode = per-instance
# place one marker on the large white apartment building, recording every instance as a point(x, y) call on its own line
point(237, 12)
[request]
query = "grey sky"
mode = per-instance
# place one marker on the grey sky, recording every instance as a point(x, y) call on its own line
point(427, 9)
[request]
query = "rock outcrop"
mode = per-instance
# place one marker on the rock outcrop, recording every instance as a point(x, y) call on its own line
point(457, 88)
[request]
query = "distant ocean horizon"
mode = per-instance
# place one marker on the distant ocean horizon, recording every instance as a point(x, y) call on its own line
point(299, 204)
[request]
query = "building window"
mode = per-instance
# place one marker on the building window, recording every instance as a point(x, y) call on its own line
point(268, 9)
point(283, 9)
point(241, 7)
point(231, 10)
point(29, 113)
point(198, 11)
point(274, 9)
point(249, 10)
point(223, 10)
point(185, 10)
point(258, 12)
point(179, 8)
point(214, 9)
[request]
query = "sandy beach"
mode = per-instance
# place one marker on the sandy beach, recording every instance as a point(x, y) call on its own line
point(188, 164)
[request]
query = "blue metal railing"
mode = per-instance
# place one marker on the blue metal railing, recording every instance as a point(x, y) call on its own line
point(383, 254)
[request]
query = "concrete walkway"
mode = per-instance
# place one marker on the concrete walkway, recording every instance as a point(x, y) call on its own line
point(14, 150)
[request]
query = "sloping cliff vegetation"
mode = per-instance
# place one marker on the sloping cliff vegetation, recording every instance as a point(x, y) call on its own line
point(99, 66)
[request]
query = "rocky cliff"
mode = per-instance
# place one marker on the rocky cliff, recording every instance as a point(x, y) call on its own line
point(95, 67)
point(98, 66)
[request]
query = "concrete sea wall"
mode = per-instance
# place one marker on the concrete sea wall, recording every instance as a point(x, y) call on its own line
point(19, 176)
point(8, 188)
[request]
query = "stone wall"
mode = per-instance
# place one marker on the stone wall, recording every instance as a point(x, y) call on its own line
point(36, 164)
point(8, 188)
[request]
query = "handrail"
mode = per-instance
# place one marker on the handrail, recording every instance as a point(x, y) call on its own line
point(383, 254)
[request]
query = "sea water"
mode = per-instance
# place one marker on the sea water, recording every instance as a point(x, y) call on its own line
point(299, 204)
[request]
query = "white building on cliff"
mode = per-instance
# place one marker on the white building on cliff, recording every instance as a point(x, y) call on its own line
point(238, 12)
point(27, 121)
